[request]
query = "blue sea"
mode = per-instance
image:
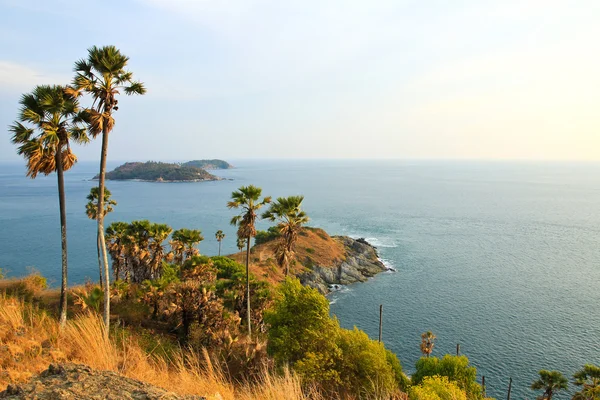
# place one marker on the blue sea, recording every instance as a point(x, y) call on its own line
point(501, 257)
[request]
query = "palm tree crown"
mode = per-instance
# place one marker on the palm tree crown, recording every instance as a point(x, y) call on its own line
point(49, 120)
point(287, 210)
point(551, 382)
point(91, 208)
point(247, 198)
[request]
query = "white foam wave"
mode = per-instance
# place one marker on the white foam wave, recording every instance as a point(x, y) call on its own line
point(377, 242)
point(390, 267)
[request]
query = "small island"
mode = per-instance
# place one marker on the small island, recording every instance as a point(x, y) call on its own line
point(208, 164)
point(152, 171)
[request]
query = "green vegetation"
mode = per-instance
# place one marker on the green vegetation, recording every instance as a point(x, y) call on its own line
point(266, 236)
point(208, 164)
point(49, 119)
point(550, 382)
point(588, 378)
point(159, 171)
point(455, 368)
point(302, 334)
point(437, 388)
point(287, 211)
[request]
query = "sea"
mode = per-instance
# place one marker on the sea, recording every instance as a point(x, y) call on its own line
point(502, 258)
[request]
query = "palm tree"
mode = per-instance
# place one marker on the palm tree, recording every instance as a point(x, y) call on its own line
point(103, 76)
point(220, 236)
point(551, 382)
point(248, 199)
point(589, 378)
point(52, 119)
point(183, 244)
point(427, 343)
point(287, 211)
point(91, 210)
point(241, 243)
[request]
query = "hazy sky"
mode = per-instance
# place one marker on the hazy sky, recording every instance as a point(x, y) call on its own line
point(324, 79)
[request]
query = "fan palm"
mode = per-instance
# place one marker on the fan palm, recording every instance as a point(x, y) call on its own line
point(103, 76)
point(551, 382)
point(287, 211)
point(220, 236)
point(240, 243)
point(183, 244)
point(589, 379)
point(427, 343)
point(91, 210)
point(49, 119)
point(247, 198)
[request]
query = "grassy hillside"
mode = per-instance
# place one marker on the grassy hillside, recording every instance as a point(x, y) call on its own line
point(314, 247)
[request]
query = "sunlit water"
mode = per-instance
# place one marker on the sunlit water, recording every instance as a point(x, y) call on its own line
point(503, 258)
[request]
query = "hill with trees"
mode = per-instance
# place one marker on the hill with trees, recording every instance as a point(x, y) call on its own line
point(159, 172)
point(208, 164)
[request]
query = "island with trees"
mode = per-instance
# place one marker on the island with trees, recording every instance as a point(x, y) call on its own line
point(208, 164)
point(159, 172)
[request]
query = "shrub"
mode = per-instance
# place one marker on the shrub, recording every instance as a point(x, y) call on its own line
point(455, 368)
point(303, 335)
point(266, 236)
point(437, 388)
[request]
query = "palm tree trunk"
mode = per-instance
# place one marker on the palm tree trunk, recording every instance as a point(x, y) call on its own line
point(219, 248)
point(248, 286)
point(101, 231)
point(99, 260)
point(63, 237)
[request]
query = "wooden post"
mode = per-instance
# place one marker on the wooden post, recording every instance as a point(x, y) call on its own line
point(509, 388)
point(483, 385)
point(457, 349)
point(380, 321)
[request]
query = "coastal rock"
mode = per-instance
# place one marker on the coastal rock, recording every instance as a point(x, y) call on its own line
point(361, 263)
point(75, 382)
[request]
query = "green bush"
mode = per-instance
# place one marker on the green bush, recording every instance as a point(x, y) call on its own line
point(266, 236)
point(436, 388)
point(304, 336)
point(455, 368)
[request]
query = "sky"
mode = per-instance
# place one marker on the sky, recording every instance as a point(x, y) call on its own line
point(401, 79)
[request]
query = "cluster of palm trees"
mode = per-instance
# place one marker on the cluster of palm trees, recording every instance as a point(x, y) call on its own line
point(51, 118)
point(286, 210)
point(587, 378)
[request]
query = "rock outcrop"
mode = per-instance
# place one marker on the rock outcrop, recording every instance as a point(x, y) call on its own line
point(78, 382)
point(361, 262)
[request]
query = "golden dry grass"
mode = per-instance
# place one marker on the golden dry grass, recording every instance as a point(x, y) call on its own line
point(30, 340)
point(314, 246)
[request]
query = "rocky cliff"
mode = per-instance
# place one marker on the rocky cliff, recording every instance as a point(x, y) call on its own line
point(361, 262)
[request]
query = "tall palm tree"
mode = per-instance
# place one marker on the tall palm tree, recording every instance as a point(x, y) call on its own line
point(287, 211)
point(248, 199)
point(589, 379)
point(220, 236)
point(427, 343)
point(183, 244)
point(91, 210)
point(49, 119)
point(551, 382)
point(103, 76)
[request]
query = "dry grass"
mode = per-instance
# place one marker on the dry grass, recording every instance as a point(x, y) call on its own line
point(30, 340)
